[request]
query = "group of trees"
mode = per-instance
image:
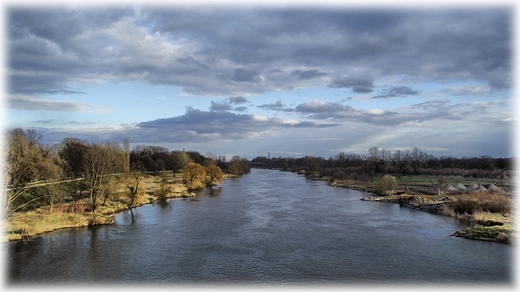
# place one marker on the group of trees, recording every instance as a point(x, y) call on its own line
point(378, 162)
point(35, 173)
point(27, 161)
point(156, 158)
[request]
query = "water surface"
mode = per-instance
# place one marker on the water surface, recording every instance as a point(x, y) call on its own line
point(265, 227)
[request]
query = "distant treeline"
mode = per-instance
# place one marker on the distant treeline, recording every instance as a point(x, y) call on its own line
point(378, 162)
point(156, 158)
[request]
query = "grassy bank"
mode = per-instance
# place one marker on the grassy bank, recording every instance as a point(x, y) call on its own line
point(489, 213)
point(73, 214)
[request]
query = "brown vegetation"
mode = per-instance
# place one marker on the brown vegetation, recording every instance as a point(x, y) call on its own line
point(490, 214)
point(95, 180)
point(77, 213)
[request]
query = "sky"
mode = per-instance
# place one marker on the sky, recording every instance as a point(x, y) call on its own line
point(288, 80)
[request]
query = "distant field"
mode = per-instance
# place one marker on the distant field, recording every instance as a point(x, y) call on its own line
point(429, 180)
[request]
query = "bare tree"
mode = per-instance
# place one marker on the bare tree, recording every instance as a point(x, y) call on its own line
point(377, 160)
point(126, 158)
point(132, 181)
point(26, 162)
point(342, 159)
point(418, 158)
point(98, 167)
point(184, 158)
point(373, 153)
point(401, 160)
point(72, 152)
point(181, 159)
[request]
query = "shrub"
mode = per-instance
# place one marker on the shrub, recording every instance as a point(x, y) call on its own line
point(164, 189)
point(497, 203)
point(466, 205)
point(447, 211)
point(196, 185)
point(100, 220)
point(386, 184)
point(339, 175)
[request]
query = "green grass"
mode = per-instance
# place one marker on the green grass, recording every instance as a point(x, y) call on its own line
point(428, 180)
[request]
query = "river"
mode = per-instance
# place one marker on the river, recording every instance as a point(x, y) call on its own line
point(267, 227)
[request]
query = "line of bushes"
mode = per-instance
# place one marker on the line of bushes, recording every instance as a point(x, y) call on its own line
point(484, 202)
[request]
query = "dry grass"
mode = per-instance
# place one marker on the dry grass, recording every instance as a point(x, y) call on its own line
point(483, 202)
point(492, 213)
point(36, 223)
point(448, 211)
point(75, 215)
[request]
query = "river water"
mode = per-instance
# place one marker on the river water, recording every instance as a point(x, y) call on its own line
point(267, 227)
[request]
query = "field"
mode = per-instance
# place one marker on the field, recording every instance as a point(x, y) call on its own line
point(430, 180)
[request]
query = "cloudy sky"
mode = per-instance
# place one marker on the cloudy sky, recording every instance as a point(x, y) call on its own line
point(289, 80)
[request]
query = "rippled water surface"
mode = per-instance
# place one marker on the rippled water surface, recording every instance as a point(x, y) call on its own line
point(265, 227)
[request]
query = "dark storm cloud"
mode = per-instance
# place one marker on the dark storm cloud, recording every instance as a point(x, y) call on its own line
point(218, 52)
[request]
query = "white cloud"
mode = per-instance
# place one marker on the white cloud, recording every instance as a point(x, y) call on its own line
point(428, 58)
point(376, 111)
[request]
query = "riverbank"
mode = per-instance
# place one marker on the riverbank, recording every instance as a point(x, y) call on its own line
point(24, 225)
point(485, 226)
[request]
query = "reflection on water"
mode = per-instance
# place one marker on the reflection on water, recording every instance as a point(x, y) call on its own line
point(265, 227)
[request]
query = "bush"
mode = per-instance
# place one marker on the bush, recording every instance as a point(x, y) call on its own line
point(497, 203)
point(163, 191)
point(386, 184)
point(339, 175)
point(196, 185)
point(483, 202)
point(101, 220)
point(466, 205)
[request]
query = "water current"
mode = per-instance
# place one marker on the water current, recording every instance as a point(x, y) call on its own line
point(267, 227)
